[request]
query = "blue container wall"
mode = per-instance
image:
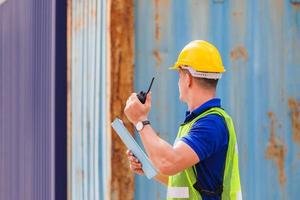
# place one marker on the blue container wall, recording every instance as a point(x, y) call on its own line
point(90, 146)
point(27, 100)
point(260, 45)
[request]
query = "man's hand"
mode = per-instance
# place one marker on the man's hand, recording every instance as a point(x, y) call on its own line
point(136, 167)
point(136, 111)
point(135, 164)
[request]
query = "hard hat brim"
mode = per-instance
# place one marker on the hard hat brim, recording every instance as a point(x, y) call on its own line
point(175, 67)
point(221, 70)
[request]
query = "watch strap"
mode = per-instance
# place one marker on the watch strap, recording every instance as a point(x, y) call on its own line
point(146, 122)
point(141, 124)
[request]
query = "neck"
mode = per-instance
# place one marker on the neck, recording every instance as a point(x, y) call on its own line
point(198, 98)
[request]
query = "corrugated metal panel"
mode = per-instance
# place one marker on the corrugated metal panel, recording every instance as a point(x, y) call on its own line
point(27, 110)
point(90, 162)
point(259, 42)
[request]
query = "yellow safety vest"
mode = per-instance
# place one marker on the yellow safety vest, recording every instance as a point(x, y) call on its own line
point(180, 186)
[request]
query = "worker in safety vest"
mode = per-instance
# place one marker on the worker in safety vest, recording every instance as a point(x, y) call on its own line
point(203, 162)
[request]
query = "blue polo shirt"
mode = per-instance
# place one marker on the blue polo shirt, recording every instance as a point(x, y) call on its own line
point(208, 138)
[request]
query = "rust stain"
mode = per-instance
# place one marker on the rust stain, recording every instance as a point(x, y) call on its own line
point(295, 6)
point(157, 19)
point(298, 155)
point(239, 52)
point(276, 150)
point(78, 24)
point(94, 13)
point(237, 13)
point(295, 3)
point(121, 34)
point(157, 57)
point(294, 106)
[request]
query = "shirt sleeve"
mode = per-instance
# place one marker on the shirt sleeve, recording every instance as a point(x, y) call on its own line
point(207, 136)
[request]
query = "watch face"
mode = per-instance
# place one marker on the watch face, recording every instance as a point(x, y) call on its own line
point(139, 126)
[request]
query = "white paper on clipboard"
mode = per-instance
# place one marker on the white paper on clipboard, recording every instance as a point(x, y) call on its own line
point(132, 145)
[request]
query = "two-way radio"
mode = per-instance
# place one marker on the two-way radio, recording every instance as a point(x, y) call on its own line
point(143, 95)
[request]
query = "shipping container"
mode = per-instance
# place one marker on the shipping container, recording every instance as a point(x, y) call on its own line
point(114, 48)
point(88, 135)
point(27, 100)
point(259, 42)
point(32, 104)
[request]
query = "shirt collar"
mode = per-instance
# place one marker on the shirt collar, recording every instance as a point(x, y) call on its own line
point(215, 102)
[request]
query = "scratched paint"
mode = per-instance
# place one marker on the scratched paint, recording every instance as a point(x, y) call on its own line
point(157, 19)
point(239, 52)
point(276, 150)
point(295, 119)
point(157, 57)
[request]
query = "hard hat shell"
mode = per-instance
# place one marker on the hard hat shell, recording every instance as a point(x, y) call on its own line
point(201, 56)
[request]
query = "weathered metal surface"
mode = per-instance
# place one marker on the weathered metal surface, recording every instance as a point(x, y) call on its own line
point(259, 43)
point(27, 100)
point(121, 65)
point(88, 99)
point(101, 78)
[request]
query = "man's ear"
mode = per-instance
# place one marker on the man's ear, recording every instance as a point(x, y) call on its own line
point(189, 79)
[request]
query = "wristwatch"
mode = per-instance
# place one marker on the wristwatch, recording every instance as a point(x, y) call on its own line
point(140, 125)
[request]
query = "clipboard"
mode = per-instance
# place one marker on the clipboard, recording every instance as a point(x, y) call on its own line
point(132, 145)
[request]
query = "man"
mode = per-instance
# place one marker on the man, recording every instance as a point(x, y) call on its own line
point(203, 162)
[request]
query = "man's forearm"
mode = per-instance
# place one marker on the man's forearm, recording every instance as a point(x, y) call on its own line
point(161, 153)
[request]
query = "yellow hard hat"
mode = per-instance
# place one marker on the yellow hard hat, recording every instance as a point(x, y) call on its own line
point(201, 56)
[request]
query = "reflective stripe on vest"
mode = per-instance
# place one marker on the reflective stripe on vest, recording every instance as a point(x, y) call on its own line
point(178, 192)
point(182, 183)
